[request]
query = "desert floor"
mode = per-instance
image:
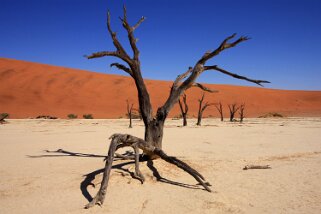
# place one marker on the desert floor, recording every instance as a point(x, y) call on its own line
point(35, 180)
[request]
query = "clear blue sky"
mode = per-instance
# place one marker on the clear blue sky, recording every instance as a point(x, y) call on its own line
point(285, 47)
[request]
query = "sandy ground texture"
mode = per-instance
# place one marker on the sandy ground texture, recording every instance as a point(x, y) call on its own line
point(35, 181)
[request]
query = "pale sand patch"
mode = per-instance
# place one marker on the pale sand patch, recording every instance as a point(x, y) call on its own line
point(33, 182)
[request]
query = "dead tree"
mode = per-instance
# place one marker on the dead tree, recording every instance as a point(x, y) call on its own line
point(3, 117)
point(154, 123)
point(233, 109)
point(184, 109)
point(201, 109)
point(129, 113)
point(219, 108)
point(241, 112)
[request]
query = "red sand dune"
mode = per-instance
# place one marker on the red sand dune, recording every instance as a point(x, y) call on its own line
point(31, 89)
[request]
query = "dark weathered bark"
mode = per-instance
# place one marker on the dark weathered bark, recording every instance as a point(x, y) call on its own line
point(184, 109)
point(154, 125)
point(233, 109)
point(219, 108)
point(201, 109)
point(154, 133)
point(241, 112)
point(129, 113)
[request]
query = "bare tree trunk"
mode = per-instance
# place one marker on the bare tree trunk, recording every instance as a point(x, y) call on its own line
point(199, 119)
point(201, 109)
point(233, 109)
point(184, 109)
point(184, 120)
point(199, 114)
point(241, 113)
point(154, 126)
point(219, 108)
point(154, 134)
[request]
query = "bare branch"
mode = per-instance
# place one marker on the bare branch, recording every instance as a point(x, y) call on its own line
point(184, 109)
point(129, 113)
point(129, 107)
point(108, 24)
point(179, 78)
point(180, 105)
point(241, 112)
point(202, 108)
point(133, 64)
point(122, 53)
point(122, 67)
point(219, 108)
point(193, 73)
point(203, 87)
point(224, 45)
point(102, 54)
point(233, 109)
point(138, 23)
point(131, 37)
point(201, 100)
point(207, 105)
point(125, 12)
point(185, 103)
point(215, 67)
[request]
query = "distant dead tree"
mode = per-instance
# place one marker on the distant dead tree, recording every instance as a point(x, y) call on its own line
point(184, 109)
point(151, 145)
point(129, 113)
point(233, 109)
point(219, 108)
point(241, 112)
point(3, 116)
point(201, 109)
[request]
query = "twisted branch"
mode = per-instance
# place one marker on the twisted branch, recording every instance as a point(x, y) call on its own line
point(122, 67)
point(193, 73)
point(102, 54)
point(204, 88)
point(130, 31)
point(215, 67)
point(224, 45)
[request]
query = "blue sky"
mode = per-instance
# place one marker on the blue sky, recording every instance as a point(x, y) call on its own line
point(285, 46)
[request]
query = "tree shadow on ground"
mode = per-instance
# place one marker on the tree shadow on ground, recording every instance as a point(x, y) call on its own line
point(64, 153)
point(90, 177)
point(156, 174)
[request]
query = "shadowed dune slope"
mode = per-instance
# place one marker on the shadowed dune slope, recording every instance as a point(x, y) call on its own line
point(31, 89)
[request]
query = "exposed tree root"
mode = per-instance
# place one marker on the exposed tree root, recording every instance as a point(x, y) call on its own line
point(123, 140)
